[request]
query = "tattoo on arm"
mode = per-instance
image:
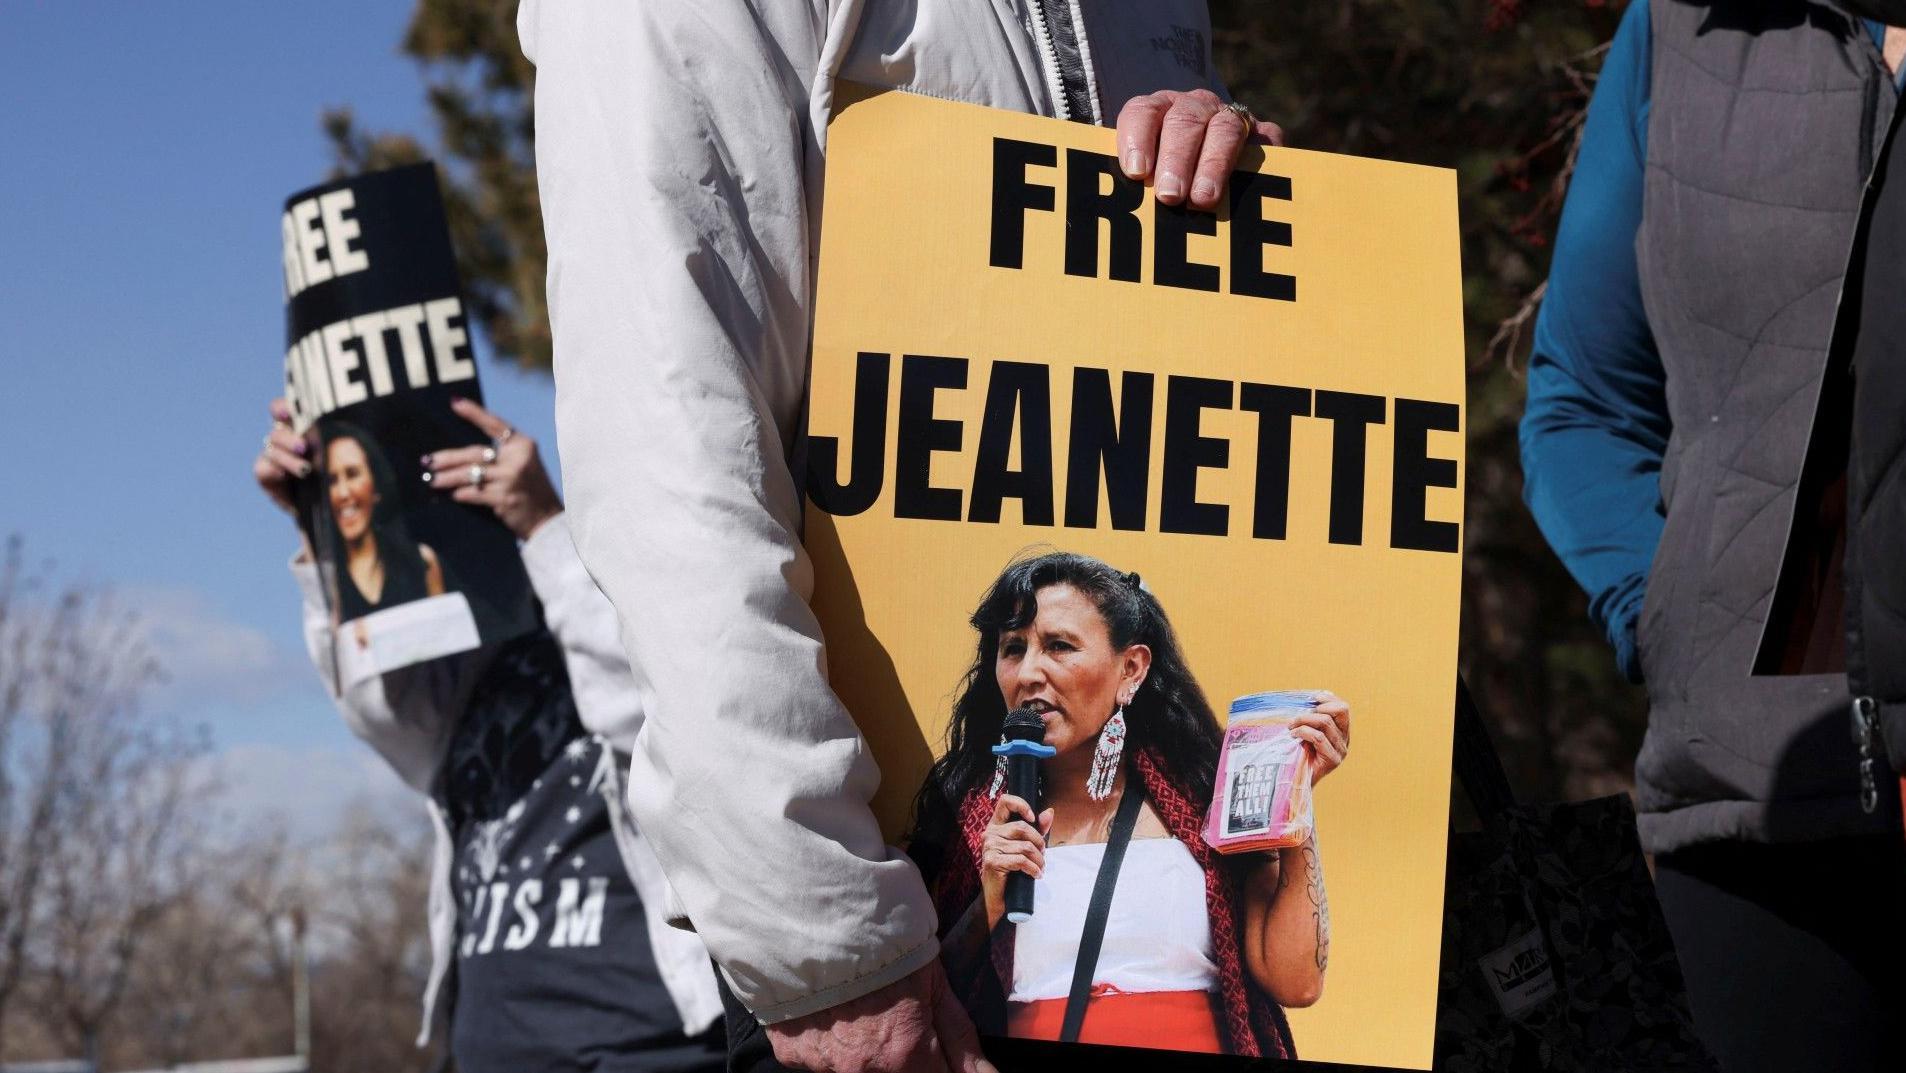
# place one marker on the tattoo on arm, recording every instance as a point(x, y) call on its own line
point(1320, 905)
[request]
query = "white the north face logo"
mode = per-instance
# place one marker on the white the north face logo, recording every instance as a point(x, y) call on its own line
point(1519, 974)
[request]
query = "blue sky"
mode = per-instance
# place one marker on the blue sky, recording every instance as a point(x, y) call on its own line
point(145, 153)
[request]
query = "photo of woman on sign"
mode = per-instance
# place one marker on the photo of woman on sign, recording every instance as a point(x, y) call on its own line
point(382, 565)
point(1200, 952)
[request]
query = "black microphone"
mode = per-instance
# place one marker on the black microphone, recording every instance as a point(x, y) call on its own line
point(1024, 747)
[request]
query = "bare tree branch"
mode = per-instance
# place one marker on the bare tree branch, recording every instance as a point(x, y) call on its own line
point(94, 797)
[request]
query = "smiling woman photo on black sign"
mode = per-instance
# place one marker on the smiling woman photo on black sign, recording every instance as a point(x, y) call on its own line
point(1205, 952)
point(382, 565)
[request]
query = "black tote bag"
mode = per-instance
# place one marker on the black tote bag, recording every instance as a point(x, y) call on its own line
point(1555, 953)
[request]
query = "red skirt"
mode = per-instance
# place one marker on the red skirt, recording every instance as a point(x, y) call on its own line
point(1169, 1020)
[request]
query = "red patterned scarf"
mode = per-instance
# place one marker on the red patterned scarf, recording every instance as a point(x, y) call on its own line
point(1250, 1024)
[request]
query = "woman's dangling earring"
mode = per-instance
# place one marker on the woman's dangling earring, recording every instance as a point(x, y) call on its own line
point(999, 772)
point(1105, 756)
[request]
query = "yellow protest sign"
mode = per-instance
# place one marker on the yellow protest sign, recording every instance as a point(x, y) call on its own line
point(1255, 419)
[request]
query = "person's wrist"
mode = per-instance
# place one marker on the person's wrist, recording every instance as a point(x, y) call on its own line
point(537, 520)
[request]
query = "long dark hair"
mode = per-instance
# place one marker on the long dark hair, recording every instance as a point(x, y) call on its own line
point(1169, 712)
point(388, 530)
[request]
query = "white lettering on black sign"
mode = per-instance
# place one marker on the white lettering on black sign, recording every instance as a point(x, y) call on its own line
point(348, 361)
point(318, 236)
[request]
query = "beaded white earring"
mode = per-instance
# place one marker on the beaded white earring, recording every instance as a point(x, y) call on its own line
point(999, 771)
point(1105, 756)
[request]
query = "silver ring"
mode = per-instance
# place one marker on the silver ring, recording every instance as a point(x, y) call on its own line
point(267, 441)
point(489, 455)
point(505, 438)
point(476, 475)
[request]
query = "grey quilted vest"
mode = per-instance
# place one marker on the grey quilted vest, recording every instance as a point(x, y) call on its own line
point(1764, 121)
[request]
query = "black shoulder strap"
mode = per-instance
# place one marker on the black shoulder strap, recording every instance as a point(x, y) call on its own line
point(1094, 934)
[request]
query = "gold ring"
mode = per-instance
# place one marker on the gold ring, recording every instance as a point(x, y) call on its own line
point(1245, 116)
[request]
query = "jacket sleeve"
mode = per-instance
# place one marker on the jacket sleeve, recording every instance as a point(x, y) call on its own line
point(1596, 424)
point(675, 156)
point(406, 715)
point(584, 623)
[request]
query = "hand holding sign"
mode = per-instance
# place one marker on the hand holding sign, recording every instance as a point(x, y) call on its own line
point(912, 1024)
point(282, 460)
point(1187, 134)
point(507, 476)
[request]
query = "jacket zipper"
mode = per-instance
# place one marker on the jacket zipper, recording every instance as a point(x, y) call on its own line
point(1049, 55)
point(1061, 87)
point(1866, 732)
point(1865, 710)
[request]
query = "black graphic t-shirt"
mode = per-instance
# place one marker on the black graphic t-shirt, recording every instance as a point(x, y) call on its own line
point(554, 969)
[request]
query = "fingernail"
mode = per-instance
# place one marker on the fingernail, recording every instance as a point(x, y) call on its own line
point(425, 461)
point(1204, 190)
point(1135, 164)
point(428, 476)
point(1170, 186)
point(300, 446)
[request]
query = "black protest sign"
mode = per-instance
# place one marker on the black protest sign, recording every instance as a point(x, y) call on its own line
point(377, 346)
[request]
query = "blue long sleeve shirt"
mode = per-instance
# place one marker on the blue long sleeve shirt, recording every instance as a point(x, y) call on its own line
point(1596, 424)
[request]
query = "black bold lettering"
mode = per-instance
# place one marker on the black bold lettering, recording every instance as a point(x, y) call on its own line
point(1350, 414)
point(868, 471)
point(1274, 406)
point(1120, 444)
point(920, 436)
point(1187, 452)
point(1251, 232)
point(1171, 266)
point(1013, 197)
point(1016, 387)
point(1414, 473)
point(1088, 201)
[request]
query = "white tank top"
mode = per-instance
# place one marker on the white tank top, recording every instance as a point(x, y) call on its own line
point(1157, 934)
